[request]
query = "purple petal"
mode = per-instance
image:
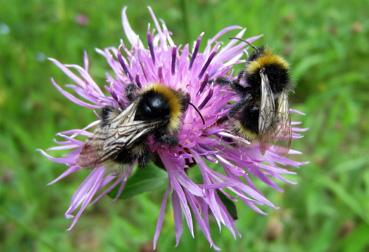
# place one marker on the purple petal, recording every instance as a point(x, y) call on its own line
point(132, 37)
point(160, 221)
point(177, 213)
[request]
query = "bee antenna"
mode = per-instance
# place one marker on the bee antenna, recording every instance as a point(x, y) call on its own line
point(245, 41)
point(198, 111)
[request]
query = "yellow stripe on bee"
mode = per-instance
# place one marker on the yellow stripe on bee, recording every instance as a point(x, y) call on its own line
point(267, 58)
point(244, 132)
point(174, 103)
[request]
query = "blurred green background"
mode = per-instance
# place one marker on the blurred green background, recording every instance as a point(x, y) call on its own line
point(327, 43)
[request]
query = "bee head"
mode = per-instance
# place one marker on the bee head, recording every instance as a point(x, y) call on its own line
point(160, 103)
point(153, 106)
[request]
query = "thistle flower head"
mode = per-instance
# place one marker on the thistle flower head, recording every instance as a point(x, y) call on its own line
point(157, 59)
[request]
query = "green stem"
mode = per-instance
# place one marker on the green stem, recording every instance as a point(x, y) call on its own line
point(186, 26)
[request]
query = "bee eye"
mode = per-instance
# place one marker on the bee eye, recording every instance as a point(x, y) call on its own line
point(156, 103)
point(146, 109)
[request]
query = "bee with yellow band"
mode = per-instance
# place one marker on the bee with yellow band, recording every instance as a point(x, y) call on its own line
point(122, 134)
point(262, 113)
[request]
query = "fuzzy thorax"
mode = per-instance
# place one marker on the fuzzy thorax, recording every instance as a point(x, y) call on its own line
point(266, 58)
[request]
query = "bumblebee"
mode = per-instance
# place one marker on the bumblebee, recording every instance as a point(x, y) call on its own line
point(263, 111)
point(121, 136)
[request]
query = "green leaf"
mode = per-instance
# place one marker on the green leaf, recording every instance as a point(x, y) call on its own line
point(347, 198)
point(229, 204)
point(358, 240)
point(148, 179)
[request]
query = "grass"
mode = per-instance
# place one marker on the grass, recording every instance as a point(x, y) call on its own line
point(327, 45)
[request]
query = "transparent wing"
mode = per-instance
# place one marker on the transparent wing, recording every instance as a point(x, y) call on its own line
point(120, 133)
point(267, 112)
point(267, 106)
point(283, 130)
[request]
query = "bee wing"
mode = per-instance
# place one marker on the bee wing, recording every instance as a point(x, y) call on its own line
point(283, 130)
point(267, 106)
point(120, 133)
point(267, 112)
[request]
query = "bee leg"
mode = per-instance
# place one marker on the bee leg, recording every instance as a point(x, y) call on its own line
point(235, 85)
point(240, 76)
point(144, 157)
point(157, 161)
point(131, 92)
point(165, 138)
point(236, 108)
point(233, 111)
point(170, 140)
point(222, 81)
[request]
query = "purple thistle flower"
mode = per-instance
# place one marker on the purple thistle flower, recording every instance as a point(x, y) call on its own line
point(181, 68)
